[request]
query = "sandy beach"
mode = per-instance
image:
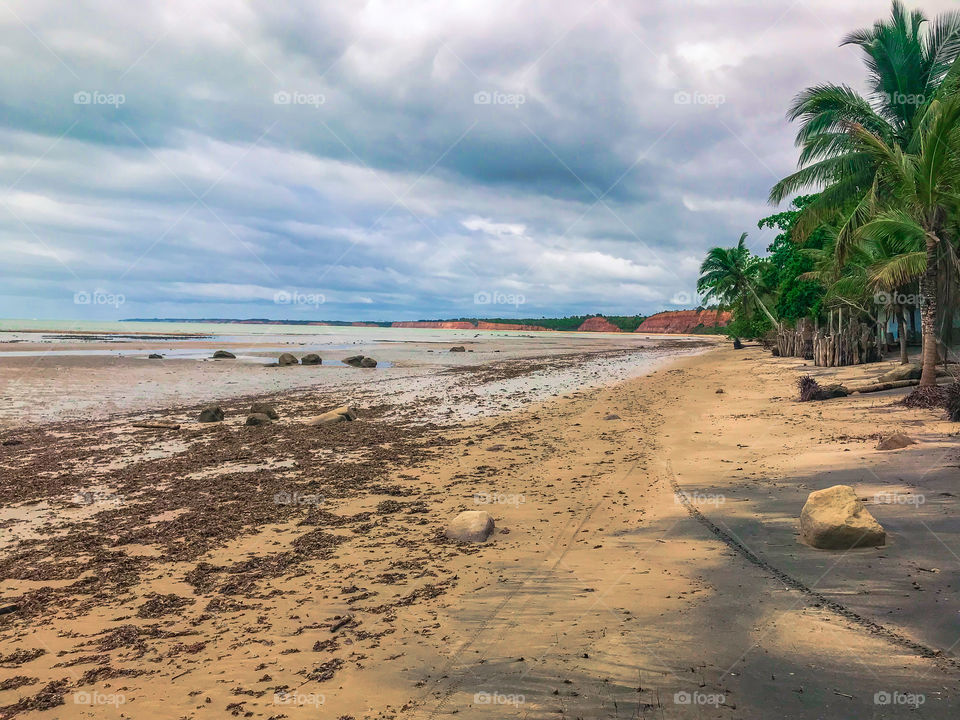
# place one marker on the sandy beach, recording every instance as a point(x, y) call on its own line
point(645, 561)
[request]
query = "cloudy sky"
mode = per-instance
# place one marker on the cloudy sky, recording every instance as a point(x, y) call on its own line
point(393, 160)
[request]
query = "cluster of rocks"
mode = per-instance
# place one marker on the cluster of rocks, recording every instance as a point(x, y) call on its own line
point(286, 359)
point(360, 361)
point(266, 413)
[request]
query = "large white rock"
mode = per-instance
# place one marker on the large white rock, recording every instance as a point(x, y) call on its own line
point(835, 519)
point(471, 526)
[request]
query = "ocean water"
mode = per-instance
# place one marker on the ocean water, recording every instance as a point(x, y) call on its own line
point(32, 331)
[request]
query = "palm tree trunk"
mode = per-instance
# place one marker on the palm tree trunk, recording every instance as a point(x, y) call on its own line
point(773, 320)
point(902, 334)
point(928, 315)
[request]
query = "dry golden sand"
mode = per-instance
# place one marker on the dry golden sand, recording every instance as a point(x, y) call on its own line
point(599, 596)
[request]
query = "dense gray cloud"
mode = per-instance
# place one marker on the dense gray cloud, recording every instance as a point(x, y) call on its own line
point(394, 159)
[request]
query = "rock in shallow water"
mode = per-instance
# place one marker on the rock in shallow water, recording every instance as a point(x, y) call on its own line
point(835, 519)
point(223, 355)
point(471, 526)
point(311, 359)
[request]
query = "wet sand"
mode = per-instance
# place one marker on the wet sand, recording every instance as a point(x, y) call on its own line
point(221, 570)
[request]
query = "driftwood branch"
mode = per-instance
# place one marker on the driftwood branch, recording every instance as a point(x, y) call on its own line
point(878, 387)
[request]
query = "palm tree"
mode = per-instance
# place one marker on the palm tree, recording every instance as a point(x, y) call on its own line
point(920, 188)
point(895, 265)
point(877, 274)
point(731, 276)
point(909, 62)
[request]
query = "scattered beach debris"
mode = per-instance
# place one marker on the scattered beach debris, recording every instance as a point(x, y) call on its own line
point(836, 519)
point(952, 401)
point(258, 419)
point(157, 425)
point(267, 409)
point(223, 355)
point(341, 414)
point(340, 623)
point(926, 396)
point(810, 389)
point(211, 413)
point(311, 359)
point(458, 348)
point(471, 526)
point(896, 441)
point(287, 359)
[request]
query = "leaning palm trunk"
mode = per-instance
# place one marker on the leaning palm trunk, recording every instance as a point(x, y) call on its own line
point(928, 315)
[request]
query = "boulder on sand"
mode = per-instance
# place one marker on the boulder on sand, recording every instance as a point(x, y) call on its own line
point(155, 356)
point(344, 413)
point(258, 419)
point(471, 526)
point(311, 359)
point(353, 360)
point(264, 409)
point(458, 348)
point(287, 359)
point(211, 413)
point(897, 441)
point(223, 355)
point(368, 362)
point(835, 519)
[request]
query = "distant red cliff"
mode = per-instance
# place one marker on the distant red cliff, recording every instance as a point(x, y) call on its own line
point(481, 325)
point(680, 322)
point(598, 324)
point(436, 324)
